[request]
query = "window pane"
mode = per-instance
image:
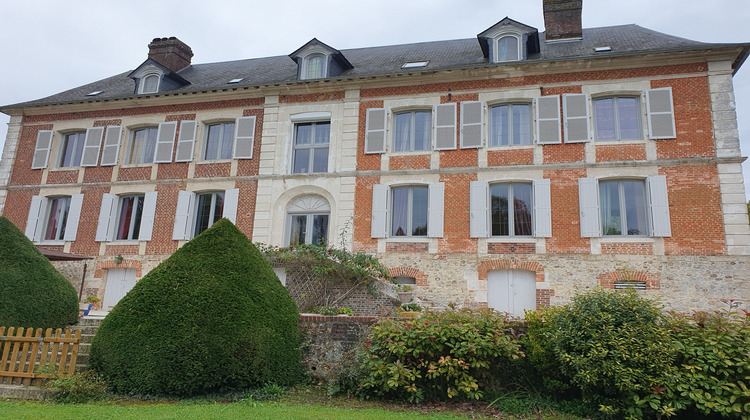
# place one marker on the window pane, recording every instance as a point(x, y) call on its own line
point(419, 211)
point(301, 161)
point(609, 199)
point(402, 128)
point(627, 110)
point(126, 214)
point(315, 67)
point(499, 125)
point(399, 226)
point(150, 83)
point(507, 49)
point(635, 207)
point(137, 220)
point(72, 149)
point(136, 146)
point(522, 209)
point(320, 160)
point(227, 141)
point(422, 130)
point(521, 124)
point(499, 203)
point(57, 218)
point(605, 119)
point(150, 145)
point(218, 207)
point(322, 133)
point(298, 231)
point(320, 229)
point(304, 134)
point(203, 213)
point(212, 142)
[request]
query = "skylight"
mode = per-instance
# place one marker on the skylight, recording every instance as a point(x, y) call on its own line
point(414, 64)
point(236, 80)
point(94, 93)
point(602, 49)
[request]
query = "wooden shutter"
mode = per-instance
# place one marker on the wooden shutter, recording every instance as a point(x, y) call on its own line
point(185, 142)
point(74, 215)
point(660, 109)
point(435, 209)
point(542, 209)
point(111, 148)
point(588, 197)
point(657, 190)
point(231, 201)
point(182, 219)
point(105, 229)
point(42, 148)
point(35, 219)
point(548, 119)
point(375, 131)
point(576, 114)
point(148, 216)
point(379, 228)
point(444, 126)
point(479, 209)
point(244, 138)
point(471, 124)
point(91, 146)
point(165, 142)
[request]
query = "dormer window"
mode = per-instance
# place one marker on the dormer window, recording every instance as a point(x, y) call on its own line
point(508, 47)
point(315, 66)
point(508, 41)
point(150, 83)
point(316, 60)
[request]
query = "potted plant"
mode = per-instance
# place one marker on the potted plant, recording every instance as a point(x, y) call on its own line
point(405, 293)
point(88, 304)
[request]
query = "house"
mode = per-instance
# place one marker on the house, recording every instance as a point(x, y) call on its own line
point(509, 170)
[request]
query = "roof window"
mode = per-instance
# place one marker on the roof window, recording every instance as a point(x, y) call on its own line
point(236, 80)
point(415, 64)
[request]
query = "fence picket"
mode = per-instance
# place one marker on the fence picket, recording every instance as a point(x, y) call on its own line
point(23, 359)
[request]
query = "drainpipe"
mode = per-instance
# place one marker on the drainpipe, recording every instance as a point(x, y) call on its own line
point(83, 278)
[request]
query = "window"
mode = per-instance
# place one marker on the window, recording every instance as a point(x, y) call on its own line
point(623, 208)
point(129, 218)
point(57, 218)
point(219, 141)
point(54, 218)
point(507, 219)
point(409, 211)
point(507, 49)
point(412, 131)
point(72, 149)
point(308, 220)
point(311, 147)
point(126, 218)
point(150, 83)
point(209, 209)
point(617, 118)
point(315, 66)
point(510, 125)
point(196, 212)
point(142, 146)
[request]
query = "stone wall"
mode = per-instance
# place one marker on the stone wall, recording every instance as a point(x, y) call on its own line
point(330, 343)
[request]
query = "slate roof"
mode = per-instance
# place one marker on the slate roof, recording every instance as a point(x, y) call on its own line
point(387, 60)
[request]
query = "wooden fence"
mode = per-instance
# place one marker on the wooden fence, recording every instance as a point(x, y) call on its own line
point(25, 359)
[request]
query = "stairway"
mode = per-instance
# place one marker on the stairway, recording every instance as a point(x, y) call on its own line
point(88, 326)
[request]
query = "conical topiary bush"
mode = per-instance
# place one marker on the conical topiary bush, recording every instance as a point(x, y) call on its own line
point(32, 292)
point(212, 317)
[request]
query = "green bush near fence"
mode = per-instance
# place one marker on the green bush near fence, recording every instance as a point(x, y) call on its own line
point(212, 317)
point(32, 292)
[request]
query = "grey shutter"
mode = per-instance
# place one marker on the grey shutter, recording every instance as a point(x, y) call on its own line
point(479, 209)
point(148, 216)
point(542, 209)
point(588, 198)
point(660, 111)
point(42, 148)
point(185, 142)
point(379, 227)
point(471, 124)
point(231, 201)
point(74, 215)
point(657, 190)
point(35, 220)
point(375, 131)
point(165, 142)
point(576, 114)
point(105, 229)
point(244, 138)
point(548, 119)
point(435, 209)
point(111, 148)
point(182, 219)
point(91, 146)
point(445, 126)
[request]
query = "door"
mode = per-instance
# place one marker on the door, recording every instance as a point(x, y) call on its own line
point(119, 283)
point(511, 291)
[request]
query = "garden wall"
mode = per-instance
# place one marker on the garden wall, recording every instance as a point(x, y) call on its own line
point(329, 342)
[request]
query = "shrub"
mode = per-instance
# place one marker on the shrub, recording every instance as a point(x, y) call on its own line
point(77, 388)
point(32, 292)
point(212, 317)
point(441, 355)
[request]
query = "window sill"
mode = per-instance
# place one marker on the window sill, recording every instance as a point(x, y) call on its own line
point(511, 239)
point(208, 162)
point(626, 239)
point(414, 153)
point(638, 141)
point(397, 239)
point(513, 147)
point(51, 243)
point(123, 242)
point(137, 165)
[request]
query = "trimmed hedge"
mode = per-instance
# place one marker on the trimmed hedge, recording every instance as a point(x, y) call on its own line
point(32, 292)
point(212, 317)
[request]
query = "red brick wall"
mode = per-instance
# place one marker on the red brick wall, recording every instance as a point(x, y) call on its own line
point(566, 230)
point(62, 177)
point(142, 173)
point(92, 201)
point(419, 276)
point(17, 204)
point(212, 170)
point(409, 162)
point(459, 157)
point(246, 206)
point(510, 264)
point(607, 280)
point(564, 153)
point(456, 216)
point(510, 157)
point(362, 242)
point(692, 112)
point(366, 162)
point(640, 248)
point(312, 97)
point(247, 167)
point(543, 297)
point(619, 152)
point(22, 174)
point(97, 174)
point(511, 248)
point(406, 247)
point(166, 205)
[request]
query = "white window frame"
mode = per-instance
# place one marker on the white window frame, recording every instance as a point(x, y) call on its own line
point(496, 47)
point(623, 203)
point(186, 216)
point(618, 135)
point(304, 72)
point(510, 106)
point(80, 137)
point(481, 209)
point(309, 206)
point(223, 125)
point(132, 217)
point(413, 113)
point(131, 144)
point(36, 223)
point(142, 83)
point(312, 147)
point(382, 211)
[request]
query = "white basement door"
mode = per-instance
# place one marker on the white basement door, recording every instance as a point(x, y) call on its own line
point(119, 283)
point(511, 291)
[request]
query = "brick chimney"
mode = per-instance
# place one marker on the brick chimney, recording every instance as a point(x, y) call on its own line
point(170, 53)
point(562, 19)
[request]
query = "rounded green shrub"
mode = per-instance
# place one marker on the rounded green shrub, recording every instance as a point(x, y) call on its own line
point(32, 292)
point(212, 317)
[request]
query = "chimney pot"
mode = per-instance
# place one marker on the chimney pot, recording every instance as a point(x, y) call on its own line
point(170, 53)
point(562, 19)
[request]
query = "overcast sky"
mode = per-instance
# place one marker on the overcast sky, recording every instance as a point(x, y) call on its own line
point(51, 45)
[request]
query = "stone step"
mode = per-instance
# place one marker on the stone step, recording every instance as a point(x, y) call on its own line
point(23, 392)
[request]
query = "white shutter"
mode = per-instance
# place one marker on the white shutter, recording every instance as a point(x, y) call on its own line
point(375, 131)
point(542, 209)
point(185, 142)
point(111, 148)
point(471, 124)
point(660, 109)
point(91, 146)
point(588, 197)
point(657, 190)
point(105, 229)
point(548, 119)
point(445, 126)
point(244, 138)
point(165, 142)
point(479, 209)
point(182, 219)
point(42, 148)
point(148, 216)
point(74, 215)
point(35, 220)
point(576, 117)
point(231, 201)
point(435, 209)
point(379, 228)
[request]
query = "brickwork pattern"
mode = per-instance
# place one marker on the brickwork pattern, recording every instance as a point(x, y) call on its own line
point(511, 248)
point(249, 167)
point(640, 248)
point(406, 247)
point(22, 174)
point(166, 205)
point(457, 214)
point(419, 276)
point(409, 162)
point(543, 297)
point(510, 157)
point(366, 162)
point(459, 157)
point(312, 97)
point(692, 113)
point(566, 229)
point(92, 201)
point(246, 206)
point(608, 280)
point(63, 177)
point(362, 241)
point(17, 204)
point(141, 173)
point(121, 249)
point(510, 264)
point(212, 170)
point(110, 263)
point(564, 153)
